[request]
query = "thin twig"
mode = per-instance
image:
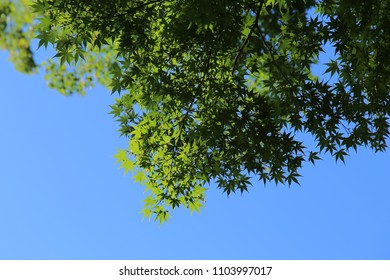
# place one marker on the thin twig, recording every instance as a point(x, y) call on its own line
point(271, 51)
point(241, 49)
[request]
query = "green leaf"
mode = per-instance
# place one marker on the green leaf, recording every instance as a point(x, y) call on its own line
point(162, 216)
point(121, 155)
point(149, 202)
point(332, 67)
point(146, 213)
point(128, 165)
point(195, 206)
point(140, 177)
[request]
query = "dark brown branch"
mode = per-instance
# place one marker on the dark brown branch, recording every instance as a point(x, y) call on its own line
point(255, 24)
point(271, 51)
point(146, 4)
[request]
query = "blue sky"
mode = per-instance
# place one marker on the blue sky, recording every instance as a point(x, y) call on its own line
point(63, 196)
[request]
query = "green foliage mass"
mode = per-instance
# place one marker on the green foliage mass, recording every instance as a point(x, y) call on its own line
point(217, 91)
point(16, 33)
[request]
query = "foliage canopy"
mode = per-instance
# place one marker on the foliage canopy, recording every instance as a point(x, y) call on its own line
point(218, 91)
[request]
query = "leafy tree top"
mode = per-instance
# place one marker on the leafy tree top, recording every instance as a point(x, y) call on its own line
point(217, 91)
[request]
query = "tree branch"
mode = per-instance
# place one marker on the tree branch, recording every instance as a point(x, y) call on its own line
point(241, 49)
point(271, 51)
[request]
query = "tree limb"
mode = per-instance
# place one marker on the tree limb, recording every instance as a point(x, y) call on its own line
point(241, 49)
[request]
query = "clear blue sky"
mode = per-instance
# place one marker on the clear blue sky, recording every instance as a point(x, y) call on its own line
point(62, 196)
